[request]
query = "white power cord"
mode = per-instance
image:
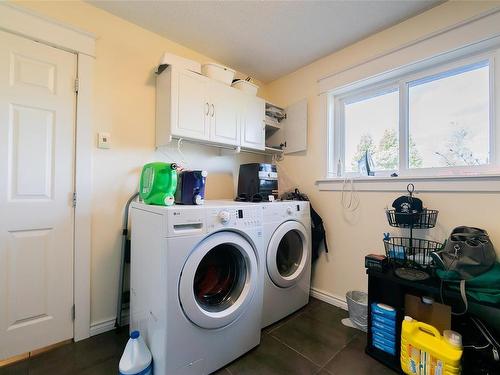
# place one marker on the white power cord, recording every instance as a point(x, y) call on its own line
point(183, 157)
point(352, 202)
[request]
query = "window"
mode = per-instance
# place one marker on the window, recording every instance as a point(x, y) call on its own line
point(371, 125)
point(431, 122)
point(449, 118)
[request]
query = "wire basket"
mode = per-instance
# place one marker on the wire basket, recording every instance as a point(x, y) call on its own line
point(411, 252)
point(417, 220)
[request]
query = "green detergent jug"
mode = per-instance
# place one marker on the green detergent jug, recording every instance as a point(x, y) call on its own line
point(158, 183)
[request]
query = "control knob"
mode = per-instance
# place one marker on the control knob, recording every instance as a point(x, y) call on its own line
point(289, 210)
point(224, 217)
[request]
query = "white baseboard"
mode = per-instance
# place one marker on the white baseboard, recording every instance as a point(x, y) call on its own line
point(329, 298)
point(107, 325)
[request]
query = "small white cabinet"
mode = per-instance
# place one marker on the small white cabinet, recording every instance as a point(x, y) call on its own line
point(253, 130)
point(181, 106)
point(290, 134)
point(224, 111)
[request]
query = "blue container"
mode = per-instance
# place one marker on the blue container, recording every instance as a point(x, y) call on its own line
point(384, 310)
point(383, 334)
point(384, 342)
point(383, 327)
point(384, 348)
point(387, 322)
point(191, 187)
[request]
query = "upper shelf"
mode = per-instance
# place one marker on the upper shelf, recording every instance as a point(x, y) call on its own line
point(272, 125)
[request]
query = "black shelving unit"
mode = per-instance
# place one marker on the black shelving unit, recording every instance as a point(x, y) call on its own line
point(405, 252)
point(385, 287)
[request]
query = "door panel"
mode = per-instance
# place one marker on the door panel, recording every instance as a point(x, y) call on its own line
point(37, 116)
point(193, 106)
point(253, 129)
point(31, 153)
point(295, 127)
point(225, 112)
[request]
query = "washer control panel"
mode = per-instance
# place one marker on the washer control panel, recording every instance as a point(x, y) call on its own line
point(234, 217)
point(286, 210)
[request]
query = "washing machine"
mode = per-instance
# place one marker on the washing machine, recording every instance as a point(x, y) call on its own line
point(287, 254)
point(196, 284)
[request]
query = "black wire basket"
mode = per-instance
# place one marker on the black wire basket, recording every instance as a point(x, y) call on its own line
point(411, 252)
point(418, 220)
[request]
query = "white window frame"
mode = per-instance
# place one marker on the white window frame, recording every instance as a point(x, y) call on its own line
point(336, 102)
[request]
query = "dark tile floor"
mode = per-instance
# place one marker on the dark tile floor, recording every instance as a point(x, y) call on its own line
point(311, 341)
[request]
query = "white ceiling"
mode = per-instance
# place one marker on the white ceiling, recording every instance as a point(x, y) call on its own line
point(266, 39)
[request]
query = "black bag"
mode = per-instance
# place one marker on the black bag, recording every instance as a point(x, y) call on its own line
point(468, 251)
point(318, 232)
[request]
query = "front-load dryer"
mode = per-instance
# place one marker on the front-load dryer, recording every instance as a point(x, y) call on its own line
point(196, 284)
point(287, 254)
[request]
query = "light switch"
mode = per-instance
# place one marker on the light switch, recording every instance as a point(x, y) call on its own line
point(104, 140)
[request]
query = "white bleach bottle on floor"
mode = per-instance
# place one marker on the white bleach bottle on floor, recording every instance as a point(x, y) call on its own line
point(136, 358)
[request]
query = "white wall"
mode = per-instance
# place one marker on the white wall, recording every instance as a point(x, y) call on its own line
point(125, 106)
point(352, 236)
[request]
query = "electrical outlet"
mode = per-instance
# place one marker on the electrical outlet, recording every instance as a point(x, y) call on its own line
point(104, 140)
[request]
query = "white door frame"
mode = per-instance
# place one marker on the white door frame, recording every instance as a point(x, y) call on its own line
point(28, 24)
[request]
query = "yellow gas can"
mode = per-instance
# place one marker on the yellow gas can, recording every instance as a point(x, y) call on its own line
point(425, 352)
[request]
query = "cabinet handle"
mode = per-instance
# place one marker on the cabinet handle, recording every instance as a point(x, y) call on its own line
point(208, 108)
point(213, 110)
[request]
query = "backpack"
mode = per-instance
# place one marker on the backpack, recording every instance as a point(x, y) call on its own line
point(318, 233)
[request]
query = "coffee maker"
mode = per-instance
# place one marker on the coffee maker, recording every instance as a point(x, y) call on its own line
point(257, 182)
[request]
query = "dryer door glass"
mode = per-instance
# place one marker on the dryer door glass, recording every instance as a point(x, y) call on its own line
point(289, 254)
point(220, 278)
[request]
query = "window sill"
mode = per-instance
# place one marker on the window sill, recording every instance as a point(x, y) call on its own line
point(466, 183)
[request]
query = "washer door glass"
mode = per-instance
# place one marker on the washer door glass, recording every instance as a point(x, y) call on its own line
point(218, 280)
point(288, 254)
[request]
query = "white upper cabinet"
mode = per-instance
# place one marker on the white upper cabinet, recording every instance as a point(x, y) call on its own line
point(192, 106)
point(225, 109)
point(182, 106)
point(253, 131)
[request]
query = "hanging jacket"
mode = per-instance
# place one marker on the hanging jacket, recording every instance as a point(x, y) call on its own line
point(318, 233)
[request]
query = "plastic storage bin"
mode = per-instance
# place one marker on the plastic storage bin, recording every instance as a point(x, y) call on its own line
point(425, 352)
point(218, 72)
point(246, 86)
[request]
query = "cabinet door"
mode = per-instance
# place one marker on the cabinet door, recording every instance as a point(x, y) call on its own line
point(225, 109)
point(190, 110)
point(295, 127)
point(253, 131)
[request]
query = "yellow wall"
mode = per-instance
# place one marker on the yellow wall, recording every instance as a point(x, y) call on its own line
point(125, 106)
point(352, 236)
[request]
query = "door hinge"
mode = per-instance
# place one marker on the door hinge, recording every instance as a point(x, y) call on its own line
point(73, 312)
point(77, 85)
point(74, 199)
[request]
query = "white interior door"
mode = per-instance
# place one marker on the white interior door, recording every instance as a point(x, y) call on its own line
point(225, 109)
point(37, 117)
